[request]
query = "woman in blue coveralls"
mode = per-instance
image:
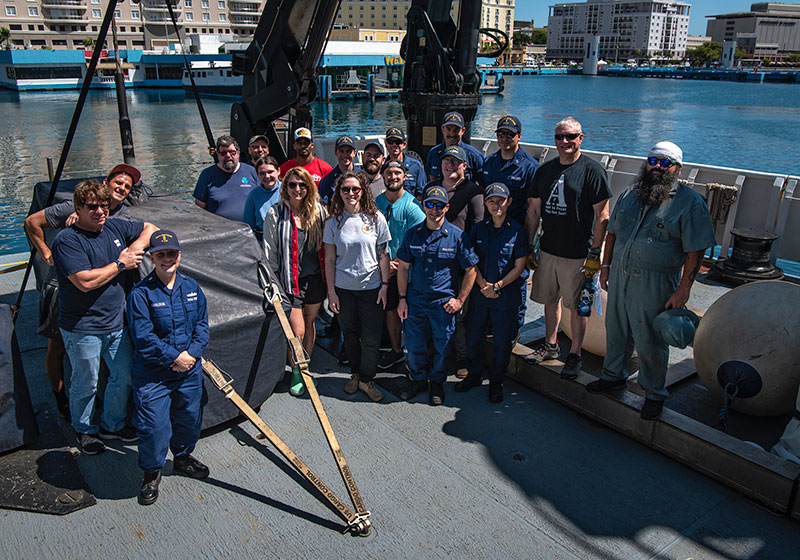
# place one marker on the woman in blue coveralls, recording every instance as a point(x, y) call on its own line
point(168, 322)
point(357, 274)
point(502, 248)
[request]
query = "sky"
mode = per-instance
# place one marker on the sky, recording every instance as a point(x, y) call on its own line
point(538, 10)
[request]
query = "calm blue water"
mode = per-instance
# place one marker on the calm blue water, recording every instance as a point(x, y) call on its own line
point(752, 126)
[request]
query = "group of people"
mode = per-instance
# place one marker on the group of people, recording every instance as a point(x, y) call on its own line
point(440, 253)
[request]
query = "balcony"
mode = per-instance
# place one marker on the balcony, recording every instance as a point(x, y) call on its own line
point(161, 19)
point(61, 18)
point(243, 22)
point(64, 4)
point(244, 9)
point(153, 6)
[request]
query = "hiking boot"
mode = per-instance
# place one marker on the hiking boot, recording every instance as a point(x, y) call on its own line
point(495, 392)
point(391, 358)
point(603, 385)
point(651, 409)
point(545, 351)
point(412, 389)
point(468, 383)
point(90, 444)
point(436, 394)
point(149, 492)
point(126, 434)
point(572, 366)
point(188, 465)
point(352, 384)
point(371, 390)
point(296, 385)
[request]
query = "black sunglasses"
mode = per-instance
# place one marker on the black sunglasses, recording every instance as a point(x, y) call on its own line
point(505, 134)
point(94, 206)
point(296, 185)
point(570, 136)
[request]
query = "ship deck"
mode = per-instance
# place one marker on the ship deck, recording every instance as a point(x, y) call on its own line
point(526, 479)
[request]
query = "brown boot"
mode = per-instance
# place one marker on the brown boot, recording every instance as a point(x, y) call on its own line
point(352, 385)
point(371, 390)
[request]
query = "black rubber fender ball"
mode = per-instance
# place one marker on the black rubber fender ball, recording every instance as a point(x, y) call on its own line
point(742, 375)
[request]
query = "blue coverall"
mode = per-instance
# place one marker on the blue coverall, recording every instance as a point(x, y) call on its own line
point(416, 179)
point(436, 258)
point(649, 252)
point(169, 405)
point(497, 249)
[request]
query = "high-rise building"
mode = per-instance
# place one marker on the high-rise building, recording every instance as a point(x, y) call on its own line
point(768, 30)
point(626, 29)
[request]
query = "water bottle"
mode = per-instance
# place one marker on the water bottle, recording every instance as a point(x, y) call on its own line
point(586, 299)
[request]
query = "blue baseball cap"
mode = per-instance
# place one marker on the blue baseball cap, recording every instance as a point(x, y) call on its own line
point(496, 189)
point(395, 132)
point(345, 140)
point(676, 327)
point(456, 152)
point(453, 117)
point(436, 193)
point(509, 122)
point(163, 240)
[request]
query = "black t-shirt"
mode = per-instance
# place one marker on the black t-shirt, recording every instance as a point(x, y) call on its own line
point(568, 193)
point(466, 204)
point(309, 257)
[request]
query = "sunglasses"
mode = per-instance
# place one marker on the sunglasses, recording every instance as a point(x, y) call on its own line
point(504, 134)
point(94, 206)
point(570, 136)
point(354, 190)
point(296, 185)
point(665, 163)
point(430, 205)
point(393, 141)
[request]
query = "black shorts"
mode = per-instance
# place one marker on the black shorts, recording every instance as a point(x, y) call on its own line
point(312, 290)
point(392, 295)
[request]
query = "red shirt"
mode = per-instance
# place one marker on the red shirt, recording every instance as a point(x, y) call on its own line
point(317, 168)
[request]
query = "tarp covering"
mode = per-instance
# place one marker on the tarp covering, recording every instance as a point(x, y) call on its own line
point(17, 420)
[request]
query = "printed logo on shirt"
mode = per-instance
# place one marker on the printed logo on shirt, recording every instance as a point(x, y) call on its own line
point(118, 243)
point(366, 229)
point(556, 204)
point(316, 177)
point(245, 182)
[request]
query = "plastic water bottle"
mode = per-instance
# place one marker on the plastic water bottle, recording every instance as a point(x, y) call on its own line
point(586, 298)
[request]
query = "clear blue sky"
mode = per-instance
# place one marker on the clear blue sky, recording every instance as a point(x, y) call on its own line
point(538, 10)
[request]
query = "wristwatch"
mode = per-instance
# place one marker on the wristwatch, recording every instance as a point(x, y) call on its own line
point(120, 265)
point(495, 288)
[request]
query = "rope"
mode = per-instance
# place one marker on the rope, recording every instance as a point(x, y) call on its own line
point(722, 197)
point(723, 413)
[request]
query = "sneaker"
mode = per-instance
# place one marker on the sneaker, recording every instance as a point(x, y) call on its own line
point(412, 389)
point(468, 383)
point(545, 351)
point(652, 409)
point(352, 385)
point(572, 366)
point(126, 434)
point(436, 394)
point(391, 358)
point(495, 392)
point(371, 390)
point(296, 386)
point(149, 491)
point(188, 465)
point(603, 385)
point(90, 444)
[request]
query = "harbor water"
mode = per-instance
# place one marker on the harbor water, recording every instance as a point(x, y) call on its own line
point(742, 125)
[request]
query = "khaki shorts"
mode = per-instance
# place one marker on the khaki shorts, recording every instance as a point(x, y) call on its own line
point(557, 277)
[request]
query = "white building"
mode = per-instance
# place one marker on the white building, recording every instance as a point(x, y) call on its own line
point(627, 29)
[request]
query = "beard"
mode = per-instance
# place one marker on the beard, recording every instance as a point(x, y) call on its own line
point(229, 165)
point(372, 167)
point(394, 186)
point(653, 187)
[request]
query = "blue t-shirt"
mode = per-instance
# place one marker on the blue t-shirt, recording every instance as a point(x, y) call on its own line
point(497, 249)
point(225, 193)
point(328, 183)
point(401, 217)
point(97, 311)
point(258, 202)
point(433, 165)
point(517, 174)
point(436, 258)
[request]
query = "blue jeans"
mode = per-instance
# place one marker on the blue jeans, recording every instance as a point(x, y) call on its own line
point(84, 351)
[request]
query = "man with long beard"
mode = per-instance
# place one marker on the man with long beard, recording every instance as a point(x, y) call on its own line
point(658, 227)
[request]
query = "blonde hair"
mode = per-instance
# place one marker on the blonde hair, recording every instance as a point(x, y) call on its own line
point(309, 208)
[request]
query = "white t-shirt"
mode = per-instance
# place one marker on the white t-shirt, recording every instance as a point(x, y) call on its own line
point(356, 237)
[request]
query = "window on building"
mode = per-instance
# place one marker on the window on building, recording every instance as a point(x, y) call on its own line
point(122, 29)
point(189, 16)
point(204, 3)
point(94, 27)
point(40, 27)
point(96, 14)
point(11, 10)
point(222, 17)
point(134, 14)
point(31, 28)
point(187, 3)
point(33, 11)
point(221, 4)
point(206, 17)
point(15, 27)
point(117, 14)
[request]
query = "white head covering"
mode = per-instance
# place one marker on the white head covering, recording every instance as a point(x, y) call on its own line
point(667, 150)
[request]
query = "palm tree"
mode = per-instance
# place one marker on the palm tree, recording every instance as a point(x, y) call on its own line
point(5, 35)
point(89, 43)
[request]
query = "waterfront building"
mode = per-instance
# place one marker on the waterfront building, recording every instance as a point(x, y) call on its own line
point(769, 30)
point(694, 41)
point(626, 29)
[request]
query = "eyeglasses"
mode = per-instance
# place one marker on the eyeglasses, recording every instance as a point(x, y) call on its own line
point(354, 190)
point(431, 204)
point(296, 185)
point(570, 136)
point(393, 141)
point(228, 152)
point(504, 134)
point(94, 206)
point(665, 163)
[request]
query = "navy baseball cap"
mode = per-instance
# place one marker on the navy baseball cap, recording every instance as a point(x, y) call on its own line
point(453, 117)
point(163, 240)
point(436, 193)
point(496, 189)
point(345, 140)
point(377, 144)
point(395, 132)
point(509, 122)
point(392, 163)
point(456, 152)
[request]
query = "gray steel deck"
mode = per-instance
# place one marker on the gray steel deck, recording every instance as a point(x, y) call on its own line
point(525, 479)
